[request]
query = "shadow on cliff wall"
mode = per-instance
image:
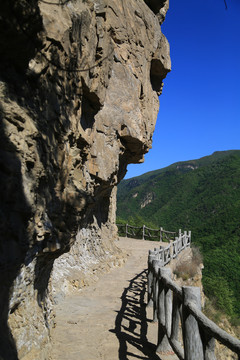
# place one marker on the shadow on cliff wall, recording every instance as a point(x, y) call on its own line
point(17, 20)
point(17, 245)
point(15, 213)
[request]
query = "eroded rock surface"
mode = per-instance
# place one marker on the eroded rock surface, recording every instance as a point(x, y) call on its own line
point(79, 90)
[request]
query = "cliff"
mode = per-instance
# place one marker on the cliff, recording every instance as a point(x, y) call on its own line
point(79, 90)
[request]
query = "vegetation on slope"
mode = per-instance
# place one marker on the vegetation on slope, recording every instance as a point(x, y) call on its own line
point(203, 196)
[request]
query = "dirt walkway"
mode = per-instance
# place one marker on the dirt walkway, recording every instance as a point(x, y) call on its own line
point(108, 320)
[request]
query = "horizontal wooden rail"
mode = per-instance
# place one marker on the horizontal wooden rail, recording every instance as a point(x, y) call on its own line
point(174, 305)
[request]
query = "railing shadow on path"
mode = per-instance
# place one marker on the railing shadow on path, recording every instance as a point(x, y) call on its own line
point(131, 322)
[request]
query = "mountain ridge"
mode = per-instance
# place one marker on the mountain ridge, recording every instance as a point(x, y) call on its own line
point(215, 154)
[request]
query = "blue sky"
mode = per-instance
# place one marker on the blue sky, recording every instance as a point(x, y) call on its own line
point(200, 105)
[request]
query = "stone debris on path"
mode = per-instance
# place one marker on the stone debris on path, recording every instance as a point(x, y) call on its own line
point(109, 320)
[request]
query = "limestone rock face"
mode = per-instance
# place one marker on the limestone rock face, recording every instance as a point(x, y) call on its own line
point(79, 86)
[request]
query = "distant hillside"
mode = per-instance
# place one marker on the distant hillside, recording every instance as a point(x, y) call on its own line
point(203, 196)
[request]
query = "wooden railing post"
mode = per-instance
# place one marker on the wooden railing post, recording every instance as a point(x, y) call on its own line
point(156, 266)
point(126, 230)
point(171, 249)
point(209, 347)
point(143, 232)
point(176, 246)
point(161, 253)
point(189, 234)
point(164, 313)
point(193, 347)
point(180, 244)
point(175, 318)
point(151, 256)
point(168, 303)
point(161, 235)
point(185, 239)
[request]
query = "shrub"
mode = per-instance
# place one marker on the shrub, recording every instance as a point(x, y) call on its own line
point(188, 269)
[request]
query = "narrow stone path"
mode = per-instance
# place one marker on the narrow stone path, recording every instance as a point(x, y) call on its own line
point(109, 320)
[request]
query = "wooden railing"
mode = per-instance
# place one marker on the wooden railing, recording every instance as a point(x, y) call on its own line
point(178, 308)
point(164, 254)
point(146, 233)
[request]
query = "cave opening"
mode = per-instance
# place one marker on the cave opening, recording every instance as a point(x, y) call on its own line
point(157, 74)
point(155, 5)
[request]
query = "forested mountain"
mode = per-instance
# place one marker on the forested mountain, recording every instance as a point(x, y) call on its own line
point(202, 196)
